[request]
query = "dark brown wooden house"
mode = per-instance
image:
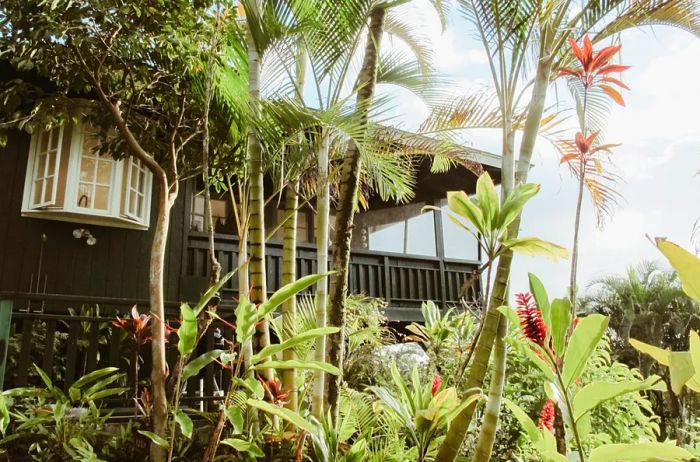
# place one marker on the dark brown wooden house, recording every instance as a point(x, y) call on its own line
point(76, 228)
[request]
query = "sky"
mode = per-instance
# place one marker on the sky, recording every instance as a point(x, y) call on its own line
point(658, 161)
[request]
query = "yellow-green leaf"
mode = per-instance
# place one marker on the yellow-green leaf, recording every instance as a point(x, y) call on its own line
point(639, 452)
point(286, 414)
point(685, 263)
point(534, 246)
point(659, 354)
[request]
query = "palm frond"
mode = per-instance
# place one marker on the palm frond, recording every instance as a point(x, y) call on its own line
point(684, 14)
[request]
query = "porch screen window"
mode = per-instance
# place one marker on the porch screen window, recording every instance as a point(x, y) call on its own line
point(68, 180)
point(47, 160)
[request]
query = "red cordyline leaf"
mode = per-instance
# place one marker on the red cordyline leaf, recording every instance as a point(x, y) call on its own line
point(531, 321)
point(547, 415)
point(274, 393)
point(615, 81)
point(614, 94)
point(584, 143)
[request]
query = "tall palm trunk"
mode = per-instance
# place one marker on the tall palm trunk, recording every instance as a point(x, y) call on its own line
point(321, 300)
point(482, 351)
point(258, 283)
point(489, 423)
point(289, 275)
point(349, 185)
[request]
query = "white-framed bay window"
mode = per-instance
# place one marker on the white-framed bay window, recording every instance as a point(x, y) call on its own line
point(68, 180)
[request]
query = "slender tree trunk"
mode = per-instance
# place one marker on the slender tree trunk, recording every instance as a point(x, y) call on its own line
point(159, 369)
point(349, 185)
point(489, 423)
point(258, 283)
point(574, 248)
point(321, 300)
point(289, 275)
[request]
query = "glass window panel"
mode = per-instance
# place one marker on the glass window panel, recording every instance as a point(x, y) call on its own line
point(84, 195)
point(87, 169)
point(134, 177)
point(139, 208)
point(142, 182)
point(101, 198)
point(104, 171)
point(44, 142)
point(458, 242)
point(41, 166)
point(38, 188)
point(48, 190)
point(387, 238)
point(54, 138)
point(133, 202)
point(420, 235)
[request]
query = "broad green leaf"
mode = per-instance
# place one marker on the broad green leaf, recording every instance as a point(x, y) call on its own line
point(489, 203)
point(102, 394)
point(246, 319)
point(561, 320)
point(540, 294)
point(286, 292)
point(249, 447)
point(685, 263)
point(680, 365)
point(298, 364)
point(460, 204)
point(591, 395)
point(531, 350)
point(534, 246)
point(639, 452)
point(554, 456)
point(357, 451)
point(211, 291)
point(187, 332)
point(235, 416)
point(4, 415)
point(525, 421)
point(515, 202)
point(283, 413)
point(272, 350)
point(160, 441)
point(196, 365)
point(185, 423)
point(582, 344)
point(512, 315)
point(659, 354)
point(694, 340)
point(92, 376)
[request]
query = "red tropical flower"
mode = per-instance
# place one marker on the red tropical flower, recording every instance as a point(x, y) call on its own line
point(547, 415)
point(437, 381)
point(138, 326)
point(531, 321)
point(273, 391)
point(595, 69)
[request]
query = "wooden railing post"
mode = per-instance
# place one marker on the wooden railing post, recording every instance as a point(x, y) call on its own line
point(5, 325)
point(387, 281)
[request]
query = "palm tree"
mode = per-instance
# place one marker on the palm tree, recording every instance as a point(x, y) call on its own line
point(550, 23)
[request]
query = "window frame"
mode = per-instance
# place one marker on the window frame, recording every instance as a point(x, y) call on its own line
point(32, 171)
point(117, 213)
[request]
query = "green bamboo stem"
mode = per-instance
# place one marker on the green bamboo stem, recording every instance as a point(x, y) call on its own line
point(289, 275)
point(489, 423)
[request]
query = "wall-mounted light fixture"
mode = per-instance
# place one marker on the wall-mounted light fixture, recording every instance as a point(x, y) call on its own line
point(80, 233)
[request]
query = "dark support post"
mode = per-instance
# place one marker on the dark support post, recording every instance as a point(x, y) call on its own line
point(387, 281)
point(5, 323)
point(440, 250)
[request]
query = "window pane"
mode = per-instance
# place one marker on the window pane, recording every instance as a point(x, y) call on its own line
point(44, 142)
point(85, 195)
point(48, 191)
point(41, 166)
point(87, 169)
point(420, 238)
point(38, 188)
point(387, 238)
point(133, 203)
point(104, 171)
point(458, 242)
point(101, 198)
point(54, 138)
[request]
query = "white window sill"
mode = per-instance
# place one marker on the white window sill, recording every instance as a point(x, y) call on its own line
point(82, 218)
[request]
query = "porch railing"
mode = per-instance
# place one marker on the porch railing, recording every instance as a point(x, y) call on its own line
point(404, 281)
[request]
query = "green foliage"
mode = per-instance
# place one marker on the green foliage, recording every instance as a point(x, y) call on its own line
point(491, 219)
point(422, 411)
point(48, 424)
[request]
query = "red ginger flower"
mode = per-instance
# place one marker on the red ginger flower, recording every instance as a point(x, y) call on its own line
point(595, 68)
point(437, 381)
point(531, 321)
point(547, 415)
